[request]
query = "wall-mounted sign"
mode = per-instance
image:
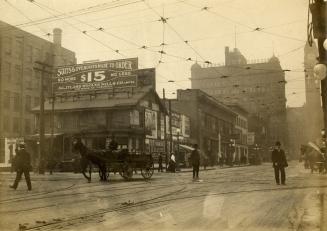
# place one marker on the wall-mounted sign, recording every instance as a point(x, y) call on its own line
point(186, 126)
point(96, 76)
point(151, 124)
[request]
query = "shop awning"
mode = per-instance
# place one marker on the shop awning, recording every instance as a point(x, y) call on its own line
point(188, 148)
point(47, 135)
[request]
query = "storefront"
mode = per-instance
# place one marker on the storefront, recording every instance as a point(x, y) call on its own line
point(104, 100)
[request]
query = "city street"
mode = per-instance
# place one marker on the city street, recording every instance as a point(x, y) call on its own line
point(239, 198)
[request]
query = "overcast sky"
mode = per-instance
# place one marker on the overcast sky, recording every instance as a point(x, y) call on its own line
point(207, 25)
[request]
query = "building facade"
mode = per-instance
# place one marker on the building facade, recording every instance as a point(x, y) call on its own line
point(240, 134)
point(258, 86)
point(97, 101)
point(211, 123)
point(20, 83)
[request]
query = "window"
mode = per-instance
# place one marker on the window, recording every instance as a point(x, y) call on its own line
point(6, 100)
point(28, 101)
point(37, 80)
point(16, 125)
point(7, 70)
point(28, 78)
point(29, 53)
point(37, 54)
point(6, 123)
point(16, 102)
point(27, 126)
point(7, 45)
point(36, 101)
point(18, 74)
point(19, 48)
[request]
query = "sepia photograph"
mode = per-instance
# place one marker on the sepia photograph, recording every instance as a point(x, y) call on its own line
point(163, 115)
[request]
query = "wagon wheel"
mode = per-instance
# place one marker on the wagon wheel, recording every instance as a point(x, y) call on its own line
point(147, 172)
point(86, 168)
point(126, 171)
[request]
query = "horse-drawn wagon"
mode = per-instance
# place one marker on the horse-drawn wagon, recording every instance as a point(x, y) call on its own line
point(113, 161)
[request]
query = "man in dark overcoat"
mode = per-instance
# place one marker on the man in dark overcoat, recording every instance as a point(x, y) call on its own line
point(279, 163)
point(195, 160)
point(23, 163)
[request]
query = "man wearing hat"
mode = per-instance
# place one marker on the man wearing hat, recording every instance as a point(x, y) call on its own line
point(23, 163)
point(195, 160)
point(279, 163)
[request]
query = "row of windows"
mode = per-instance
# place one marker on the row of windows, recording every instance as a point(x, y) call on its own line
point(18, 47)
point(31, 79)
point(15, 47)
point(14, 125)
point(13, 100)
point(214, 124)
point(235, 90)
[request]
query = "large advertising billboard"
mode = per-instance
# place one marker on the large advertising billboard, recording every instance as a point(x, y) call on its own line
point(96, 76)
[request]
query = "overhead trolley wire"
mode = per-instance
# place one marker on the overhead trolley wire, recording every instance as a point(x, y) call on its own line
point(24, 15)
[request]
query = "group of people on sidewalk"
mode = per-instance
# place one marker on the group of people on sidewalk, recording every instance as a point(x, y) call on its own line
point(194, 159)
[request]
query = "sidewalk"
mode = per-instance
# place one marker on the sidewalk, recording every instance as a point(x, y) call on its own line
point(190, 169)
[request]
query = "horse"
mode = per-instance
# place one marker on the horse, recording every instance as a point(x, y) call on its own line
point(89, 157)
point(314, 157)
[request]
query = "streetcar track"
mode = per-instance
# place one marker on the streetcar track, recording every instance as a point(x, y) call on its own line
point(101, 212)
point(32, 197)
point(157, 200)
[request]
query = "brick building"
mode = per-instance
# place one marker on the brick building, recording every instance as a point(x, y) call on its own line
point(258, 86)
point(212, 122)
point(20, 83)
point(240, 133)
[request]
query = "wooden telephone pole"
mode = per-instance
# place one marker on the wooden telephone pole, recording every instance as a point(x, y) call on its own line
point(43, 71)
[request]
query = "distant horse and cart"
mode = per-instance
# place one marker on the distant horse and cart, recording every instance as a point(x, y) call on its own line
point(107, 161)
point(313, 157)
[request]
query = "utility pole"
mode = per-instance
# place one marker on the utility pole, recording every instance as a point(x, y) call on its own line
point(165, 128)
point(41, 116)
point(319, 27)
point(170, 127)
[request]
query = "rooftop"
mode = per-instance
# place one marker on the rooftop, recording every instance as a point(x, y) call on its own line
point(95, 101)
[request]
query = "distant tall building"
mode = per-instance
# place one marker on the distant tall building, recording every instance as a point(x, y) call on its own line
point(258, 86)
point(313, 108)
point(19, 82)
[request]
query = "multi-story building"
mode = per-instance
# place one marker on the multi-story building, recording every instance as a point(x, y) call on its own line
point(20, 83)
point(240, 133)
point(211, 122)
point(258, 86)
point(116, 99)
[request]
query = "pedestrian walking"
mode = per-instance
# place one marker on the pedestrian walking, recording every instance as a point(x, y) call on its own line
point(279, 163)
point(23, 163)
point(160, 169)
point(195, 160)
point(220, 159)
point(172, 163)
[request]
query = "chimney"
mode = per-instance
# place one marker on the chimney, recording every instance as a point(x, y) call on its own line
point(57, 36)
